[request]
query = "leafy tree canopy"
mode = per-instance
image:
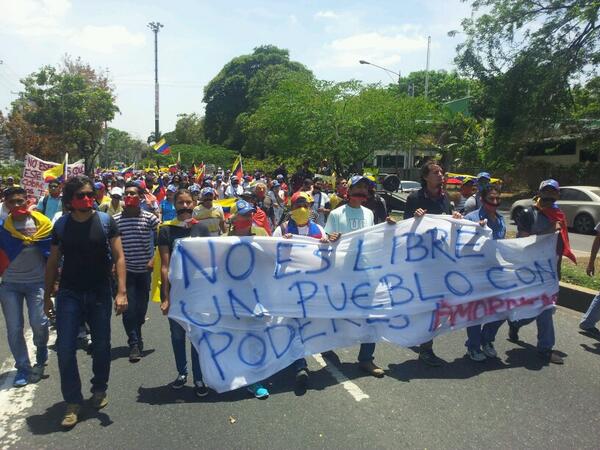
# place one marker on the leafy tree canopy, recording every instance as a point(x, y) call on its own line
point(239, 87)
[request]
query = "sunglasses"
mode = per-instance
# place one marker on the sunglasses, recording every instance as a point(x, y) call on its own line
point(81, 195)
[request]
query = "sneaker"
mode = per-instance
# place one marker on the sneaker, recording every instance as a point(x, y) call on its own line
point(592, 332)
point(179, 382)
point(551, 356)
point(371, 368)
point(476, 355)
point(37, 372)
point(134, 354)
point(200, 389)
point(21, 378)
point(513, 332)
point(489, 350)
point(99, 400)
point(430, 358)
point(302, 377)
point(258, 390)
point(71, 415)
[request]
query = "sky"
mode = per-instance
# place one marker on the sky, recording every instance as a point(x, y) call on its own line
point(199, 37)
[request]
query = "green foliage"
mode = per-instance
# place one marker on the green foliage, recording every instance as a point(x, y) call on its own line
point(72, 102)
point(443, 86)
point(586, 99)
point(190, 154)
point(345, 122)
point(238, 89)
point(120, 146)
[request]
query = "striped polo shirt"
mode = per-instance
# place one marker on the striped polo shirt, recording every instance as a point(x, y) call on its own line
point(137, 235)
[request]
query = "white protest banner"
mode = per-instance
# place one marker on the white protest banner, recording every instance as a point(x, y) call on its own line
point(33, 173)
point(254, 305)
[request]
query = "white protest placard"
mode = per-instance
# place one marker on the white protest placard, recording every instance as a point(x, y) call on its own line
point(33, 173)
point(254, 305)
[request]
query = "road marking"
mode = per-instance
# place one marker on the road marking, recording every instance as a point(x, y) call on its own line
point(14, 401)
point(342, 379)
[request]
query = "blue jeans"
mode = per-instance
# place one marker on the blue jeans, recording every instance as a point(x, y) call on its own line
point(72, 308)
point(11, 297)
point(592, 315)
point(545, 326)
point(178, 341)
point(138, 294)
point(478, 335)
point(366, 352)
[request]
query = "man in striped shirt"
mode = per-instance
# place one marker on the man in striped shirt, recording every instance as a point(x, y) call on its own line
point(138, 233)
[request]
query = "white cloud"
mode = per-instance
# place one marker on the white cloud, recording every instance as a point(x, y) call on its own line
point(34, 19)
point(377, 47)
point(326, 15)
point(107, 39)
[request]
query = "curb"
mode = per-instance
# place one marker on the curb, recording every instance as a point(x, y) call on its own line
point(575, 297)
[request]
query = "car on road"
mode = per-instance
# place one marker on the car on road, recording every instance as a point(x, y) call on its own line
point(409, 186)
point(581, 205)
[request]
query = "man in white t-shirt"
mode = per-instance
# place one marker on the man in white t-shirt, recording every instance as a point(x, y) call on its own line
point(351, 217)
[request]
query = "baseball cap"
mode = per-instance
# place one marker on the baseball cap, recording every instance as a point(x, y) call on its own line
point(549, 183)
point(207, 191)
point(275, 183)
point(116, 191)
point(195, 188)
point(99, 186)
point(302, 196)
point(248, 192)
point(484, 175)
point(234, 178)
point(280, 177)
point(358, 178)
point(172, 188)
point(243, 207)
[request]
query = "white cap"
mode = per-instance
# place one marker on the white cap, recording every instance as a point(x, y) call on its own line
point(116, 191)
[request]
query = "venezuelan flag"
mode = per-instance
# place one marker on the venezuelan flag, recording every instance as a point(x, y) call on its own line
point(226, 204)
point(237, 169)
point(55, 173)
point(162, 148)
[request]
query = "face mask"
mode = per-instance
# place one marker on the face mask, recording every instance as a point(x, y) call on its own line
point(82, 204)
point(242, 223)
point(133, 202)
point(19, 212)
point(300, 215)
point(343, 191)
point(492, 205)
point(182, 211)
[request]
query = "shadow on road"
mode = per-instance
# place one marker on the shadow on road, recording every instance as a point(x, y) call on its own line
point(594, 348)
point(282, 382)
point(525, 356)
point(49, 421)
point(123, 352)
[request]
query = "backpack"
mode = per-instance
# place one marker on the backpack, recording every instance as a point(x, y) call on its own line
point(60, 224)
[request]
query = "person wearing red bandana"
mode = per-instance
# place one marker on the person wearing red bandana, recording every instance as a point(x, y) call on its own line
point(138, 228)
point(544, 217)
point(24, 247)
point(89, 244)
point(183, 226)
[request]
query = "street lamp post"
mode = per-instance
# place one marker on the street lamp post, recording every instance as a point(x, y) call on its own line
point(155, 27)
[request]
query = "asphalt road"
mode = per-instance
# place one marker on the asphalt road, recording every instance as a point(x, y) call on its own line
point(513, 402)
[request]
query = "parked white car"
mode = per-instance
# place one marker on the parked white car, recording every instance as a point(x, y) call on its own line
point(581, 205)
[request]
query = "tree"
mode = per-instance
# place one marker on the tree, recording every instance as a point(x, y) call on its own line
point(586, 100)
point(71, 103)
point(120, 146)
point(526, 53)
point(345, 122)
point(238, 88)
point(443, 86)
point(189, 129)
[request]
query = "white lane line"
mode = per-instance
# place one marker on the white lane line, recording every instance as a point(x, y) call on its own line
point(15, 401)
point(342, 379)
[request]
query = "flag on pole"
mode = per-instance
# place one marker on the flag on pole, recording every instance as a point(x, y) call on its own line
point(237, 169)
point(199, 173)
point(56, 173)
point(127, 171)
point(162, 148)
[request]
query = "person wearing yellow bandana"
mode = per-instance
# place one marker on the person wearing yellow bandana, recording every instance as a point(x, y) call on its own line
point(182, 226)
point(25, 244)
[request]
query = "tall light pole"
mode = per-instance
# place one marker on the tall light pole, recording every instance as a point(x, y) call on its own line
point(155, 27)
point(362, 61)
